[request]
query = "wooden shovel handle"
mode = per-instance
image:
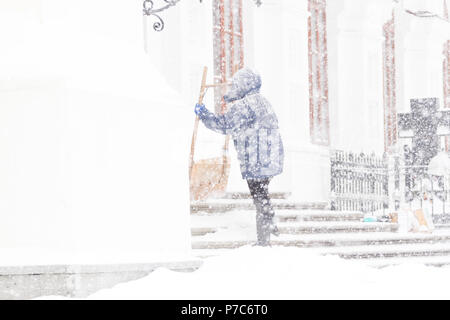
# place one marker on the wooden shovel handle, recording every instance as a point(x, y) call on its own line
point(194, 134)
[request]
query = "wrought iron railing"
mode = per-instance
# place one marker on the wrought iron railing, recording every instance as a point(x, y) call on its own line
point(358, 181)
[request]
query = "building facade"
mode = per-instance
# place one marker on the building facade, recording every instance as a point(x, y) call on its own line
point(337, 72)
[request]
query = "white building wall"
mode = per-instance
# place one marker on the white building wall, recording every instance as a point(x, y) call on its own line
point(356, 74)
point(419, 56)
point(90, 136)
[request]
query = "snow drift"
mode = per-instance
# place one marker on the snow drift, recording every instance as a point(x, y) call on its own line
point(286, 273)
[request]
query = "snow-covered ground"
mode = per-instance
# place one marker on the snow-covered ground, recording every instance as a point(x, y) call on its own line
point(286, 273)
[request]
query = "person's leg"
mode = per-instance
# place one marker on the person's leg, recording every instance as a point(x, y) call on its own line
point(259, 190)
point(267, 208)
point(263, 236)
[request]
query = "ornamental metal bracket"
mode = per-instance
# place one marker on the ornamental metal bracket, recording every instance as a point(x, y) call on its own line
point(425, 14)
point(150, 10)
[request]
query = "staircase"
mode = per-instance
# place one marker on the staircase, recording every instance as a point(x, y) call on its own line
point(224, 224)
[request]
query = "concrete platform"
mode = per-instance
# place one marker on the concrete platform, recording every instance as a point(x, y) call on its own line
point(77, 281)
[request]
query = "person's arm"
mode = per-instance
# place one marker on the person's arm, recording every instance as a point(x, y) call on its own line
point(239, 117)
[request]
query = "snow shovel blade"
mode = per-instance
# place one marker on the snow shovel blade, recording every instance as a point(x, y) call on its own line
point(209, 178)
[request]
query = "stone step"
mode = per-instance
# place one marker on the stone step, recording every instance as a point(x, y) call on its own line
point(247, 195)
point(294, 215)
point(314, 228)
point(376, 255)
point(434, 261)
point(220, 206)
point(444, 226)
point(331, 240)
point(319, 215)
point(377, 262)
point(220, 244)
point(336, 227)
point(201, 231)
point(393, 251)
point(295, 224)
point(442, 219)
point(381, 240)
point(208, 223)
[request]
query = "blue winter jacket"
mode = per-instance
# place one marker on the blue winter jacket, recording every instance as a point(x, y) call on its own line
point(253, 126)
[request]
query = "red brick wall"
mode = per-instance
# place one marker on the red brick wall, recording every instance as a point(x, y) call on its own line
point(318, 73)
point(228, 43)
point(446, 70)
point(446, 84)
point(389, 85)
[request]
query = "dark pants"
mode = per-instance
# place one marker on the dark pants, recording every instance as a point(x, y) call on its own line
point(259, 189)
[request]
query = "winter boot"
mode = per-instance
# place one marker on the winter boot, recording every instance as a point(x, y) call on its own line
point(269, 216)
point(274, 230)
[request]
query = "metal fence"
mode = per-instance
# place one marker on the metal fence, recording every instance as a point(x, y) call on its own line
point(358, 181)
point(419, 186)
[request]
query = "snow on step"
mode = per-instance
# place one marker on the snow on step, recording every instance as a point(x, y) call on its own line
point(404, 250)
point(221, 244)
point(243, 222)
point(378, 256)
point(224, 219)
point(247, 195)
point(322, 231)
point(207, 253)
point(336, 226)
point(201, 231)
point(234, 240)
point(318, 215)
point(435, 261)
point(361, 239)
point(305, 229)
point(226, 205)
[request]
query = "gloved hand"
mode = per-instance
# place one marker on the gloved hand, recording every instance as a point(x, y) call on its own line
point(199, 108)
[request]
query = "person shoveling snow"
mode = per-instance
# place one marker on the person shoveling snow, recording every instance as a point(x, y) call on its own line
point(253, 126)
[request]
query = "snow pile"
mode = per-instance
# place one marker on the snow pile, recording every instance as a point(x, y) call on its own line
point(286, 273)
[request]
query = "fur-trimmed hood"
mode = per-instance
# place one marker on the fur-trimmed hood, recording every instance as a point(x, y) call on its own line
point(244, 81)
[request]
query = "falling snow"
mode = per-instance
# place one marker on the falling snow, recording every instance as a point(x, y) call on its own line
point(336, 183)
